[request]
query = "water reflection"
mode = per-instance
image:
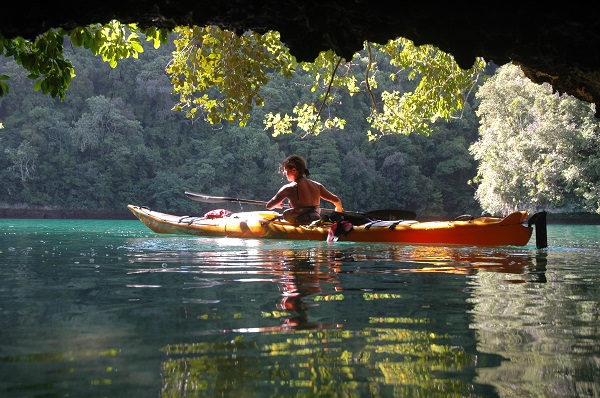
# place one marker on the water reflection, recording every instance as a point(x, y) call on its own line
point(396, 338)
point(111, 310)
point(545, 334)
point(315, 271)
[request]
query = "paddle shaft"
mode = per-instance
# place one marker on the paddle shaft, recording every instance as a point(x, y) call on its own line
point(198, 197)
point(375, 214)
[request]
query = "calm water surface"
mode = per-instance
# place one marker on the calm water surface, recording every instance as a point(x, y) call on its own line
point(110, 309)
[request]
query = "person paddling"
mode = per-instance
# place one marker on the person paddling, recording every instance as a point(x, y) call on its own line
point(303, 194)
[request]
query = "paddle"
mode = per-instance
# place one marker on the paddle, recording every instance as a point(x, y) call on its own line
point(199, 197)
point(385, 215)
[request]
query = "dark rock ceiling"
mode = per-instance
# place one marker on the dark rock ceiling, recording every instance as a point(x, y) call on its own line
point(554, 44)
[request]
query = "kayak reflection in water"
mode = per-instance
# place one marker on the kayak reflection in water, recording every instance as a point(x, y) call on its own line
point(303, 194)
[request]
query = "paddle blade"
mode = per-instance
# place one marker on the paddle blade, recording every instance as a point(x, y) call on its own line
point(198, 197)
point(391, 215)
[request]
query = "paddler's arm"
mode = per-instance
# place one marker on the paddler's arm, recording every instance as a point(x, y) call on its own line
point(276, 201)
point(330, 197)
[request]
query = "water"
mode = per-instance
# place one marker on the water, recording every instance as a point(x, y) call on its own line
point(111, 309)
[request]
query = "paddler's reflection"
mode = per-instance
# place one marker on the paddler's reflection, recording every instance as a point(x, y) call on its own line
point(301, 279)
point(305, 276)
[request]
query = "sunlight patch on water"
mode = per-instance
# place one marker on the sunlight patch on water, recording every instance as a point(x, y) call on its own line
point(144, 286)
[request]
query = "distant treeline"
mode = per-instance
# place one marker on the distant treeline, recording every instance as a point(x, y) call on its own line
point(115, 141)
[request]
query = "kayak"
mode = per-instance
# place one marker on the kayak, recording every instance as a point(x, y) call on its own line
point(512, 230)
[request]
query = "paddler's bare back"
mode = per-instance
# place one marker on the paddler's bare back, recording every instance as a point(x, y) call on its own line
point(301, 192)
point(308, 193)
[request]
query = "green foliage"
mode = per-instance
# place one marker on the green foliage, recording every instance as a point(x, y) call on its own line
point(22, 161)
point(115, 140)
point(106, 127)
point(537, 150)
point(219, 76)
point(44, 57)
point(234, 67)
point(441, 93)
point(326, 79)
point(113, 41)
point(44, 60)
point(3, 87)
point(535, 146)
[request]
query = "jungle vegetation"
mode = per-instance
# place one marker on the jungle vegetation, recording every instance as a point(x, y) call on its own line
point(395, 127)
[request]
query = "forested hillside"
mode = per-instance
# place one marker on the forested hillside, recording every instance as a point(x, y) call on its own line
point(114, 140)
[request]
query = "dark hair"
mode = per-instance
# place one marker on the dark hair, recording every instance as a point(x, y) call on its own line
point(297, 162)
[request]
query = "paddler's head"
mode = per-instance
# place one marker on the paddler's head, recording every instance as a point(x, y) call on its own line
point(295, 162)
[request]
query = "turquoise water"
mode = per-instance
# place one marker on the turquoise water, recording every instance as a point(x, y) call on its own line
point(109, 308)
